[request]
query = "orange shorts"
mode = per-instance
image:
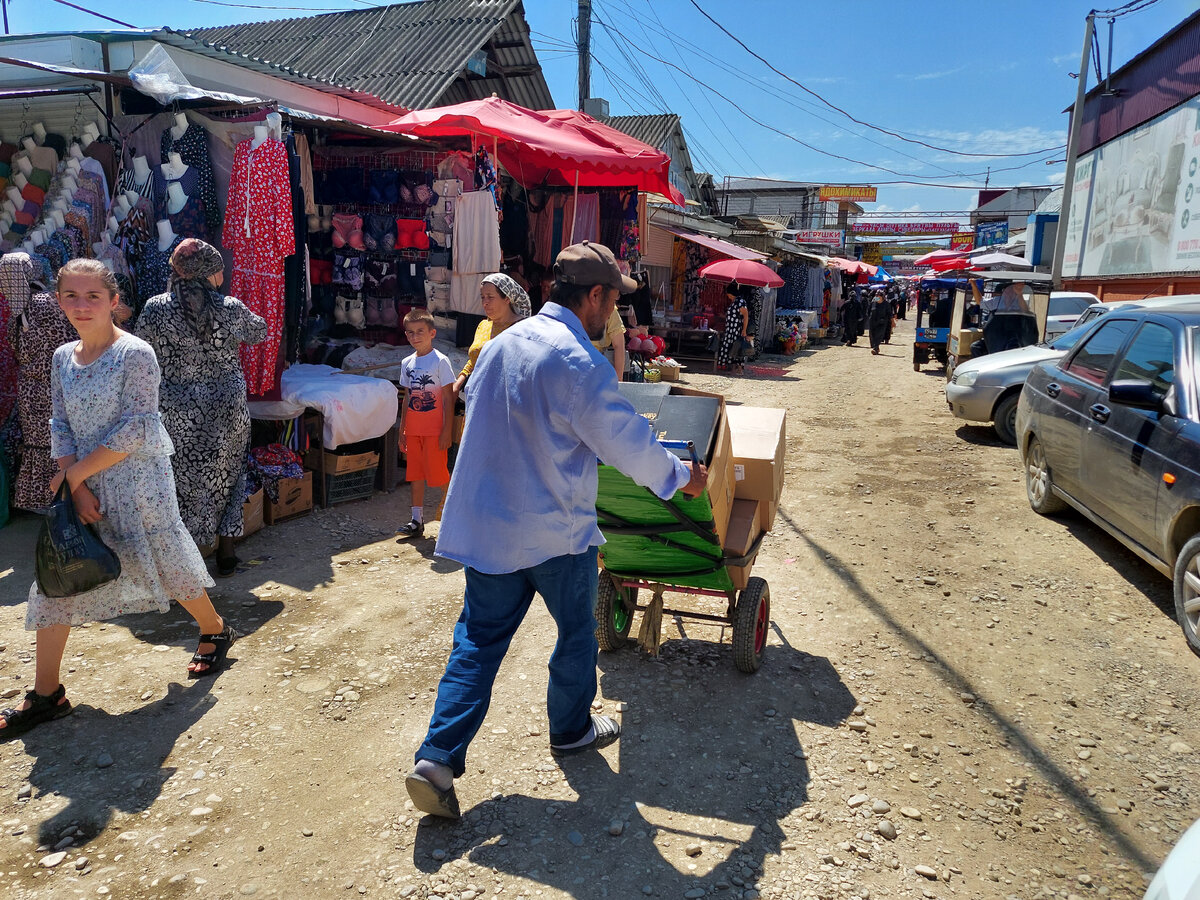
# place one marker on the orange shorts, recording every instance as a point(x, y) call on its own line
point(426, 461)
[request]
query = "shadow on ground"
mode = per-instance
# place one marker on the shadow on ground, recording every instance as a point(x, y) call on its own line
point(709, 756)
point(1024, 743)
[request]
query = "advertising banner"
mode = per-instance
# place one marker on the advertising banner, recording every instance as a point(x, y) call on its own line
point(872, 227)
point(872, 255)
point(859, 193)
point(1135, 204)
point(962, 240)
point(988, 234)
point(827, 238)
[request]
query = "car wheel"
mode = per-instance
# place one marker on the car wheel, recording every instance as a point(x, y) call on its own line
point(1038, 484)
point(1004, 421)
point(1187, 592)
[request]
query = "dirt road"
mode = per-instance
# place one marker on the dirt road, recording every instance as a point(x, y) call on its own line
point(960, 698)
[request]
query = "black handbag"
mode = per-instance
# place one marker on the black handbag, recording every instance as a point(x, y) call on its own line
point(70, 559)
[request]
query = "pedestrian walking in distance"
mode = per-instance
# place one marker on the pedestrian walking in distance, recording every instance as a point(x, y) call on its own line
point(879, 321)
point(542, 405)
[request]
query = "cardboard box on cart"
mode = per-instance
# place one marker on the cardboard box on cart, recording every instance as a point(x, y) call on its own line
point(720, 467)
point(746, 523)
point(758, 438)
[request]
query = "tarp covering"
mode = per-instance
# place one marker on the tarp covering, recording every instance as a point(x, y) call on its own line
point(158, 76)
point(559, 147)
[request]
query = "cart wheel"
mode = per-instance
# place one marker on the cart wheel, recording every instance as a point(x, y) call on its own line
point(751, 619)
point(614, 612)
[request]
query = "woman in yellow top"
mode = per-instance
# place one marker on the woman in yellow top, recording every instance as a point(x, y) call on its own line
point(614, 340)
point(504, 303)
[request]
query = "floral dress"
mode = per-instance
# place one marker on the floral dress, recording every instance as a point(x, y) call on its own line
point(729, 350)
point(113, 402)
point(36, 333)
point(204, 409)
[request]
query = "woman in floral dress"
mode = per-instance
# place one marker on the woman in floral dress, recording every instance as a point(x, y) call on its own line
point(112, 450)
point(196, 334)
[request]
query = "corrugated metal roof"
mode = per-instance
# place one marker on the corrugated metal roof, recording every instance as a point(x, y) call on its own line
point(412, 55)
point(1162, 76)
point(654, 130)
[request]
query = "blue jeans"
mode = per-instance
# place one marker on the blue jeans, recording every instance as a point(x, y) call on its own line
point(493, 607)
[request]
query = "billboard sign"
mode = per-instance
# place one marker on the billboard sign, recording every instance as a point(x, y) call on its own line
point(872, 254)
point(962, 240)
point(1135, 204)
point(826, 238)
point(873, 227)
point(988, 234)
point(859, 193)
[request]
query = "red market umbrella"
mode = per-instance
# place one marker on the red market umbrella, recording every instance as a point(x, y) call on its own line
point(951, 264)
point(554, 146)
point(936, 256)
point(743, 271)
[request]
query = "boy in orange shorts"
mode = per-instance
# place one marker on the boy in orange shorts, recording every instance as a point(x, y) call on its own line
point(427, 416)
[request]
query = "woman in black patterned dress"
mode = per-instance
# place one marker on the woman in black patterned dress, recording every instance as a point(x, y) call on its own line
point(196, 334)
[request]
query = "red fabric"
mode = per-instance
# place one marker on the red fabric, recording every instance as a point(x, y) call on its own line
point(554, 146)
point(259, 232)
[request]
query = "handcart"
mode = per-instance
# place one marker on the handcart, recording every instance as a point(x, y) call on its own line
point(660, 546)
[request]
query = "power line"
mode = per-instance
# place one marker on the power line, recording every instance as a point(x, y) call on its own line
point(702, 119)
point(836, 108)
point(84, 9)
point(828, 153)
point(316, 9)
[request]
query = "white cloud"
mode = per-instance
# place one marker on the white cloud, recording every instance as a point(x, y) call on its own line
point(1022, 139)
point(1057, 178)
point(929, 76)
point(1063, 58)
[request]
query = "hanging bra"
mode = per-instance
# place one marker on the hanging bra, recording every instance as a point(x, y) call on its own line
point(379, 232)
point(347, 229)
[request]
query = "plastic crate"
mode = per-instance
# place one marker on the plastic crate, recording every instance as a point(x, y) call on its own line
point(349, 486)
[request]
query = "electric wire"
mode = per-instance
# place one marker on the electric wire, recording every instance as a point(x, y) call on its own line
point(687, 97)
point(316, 9)
point(852, 118)
point(949, 172)
point(91, 12)
point(828, 153)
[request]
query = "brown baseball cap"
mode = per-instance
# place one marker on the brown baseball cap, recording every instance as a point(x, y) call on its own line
point(588, 264)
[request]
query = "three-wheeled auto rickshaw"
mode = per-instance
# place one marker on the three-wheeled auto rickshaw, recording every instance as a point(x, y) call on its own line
point(1003, 331)
point(934, 307)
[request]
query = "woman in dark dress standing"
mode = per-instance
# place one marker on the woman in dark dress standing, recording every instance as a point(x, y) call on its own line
point(196, 334)
point(879, 320)
point(737, 320)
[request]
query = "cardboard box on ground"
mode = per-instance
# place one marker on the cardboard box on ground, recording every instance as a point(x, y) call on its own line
point(252, 513)
point(295, 498)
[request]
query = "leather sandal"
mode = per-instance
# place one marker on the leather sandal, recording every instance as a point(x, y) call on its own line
point(215, 661)
point(41, 709)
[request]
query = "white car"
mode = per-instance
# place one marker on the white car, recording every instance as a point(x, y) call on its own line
point(1065, 307)
point(1179, 877)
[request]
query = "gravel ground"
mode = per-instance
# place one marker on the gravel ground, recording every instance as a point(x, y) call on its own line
point(959, 698)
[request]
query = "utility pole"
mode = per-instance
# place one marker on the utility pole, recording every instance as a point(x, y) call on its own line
point(4, 6)
point(584, 26)
point(1064, 214)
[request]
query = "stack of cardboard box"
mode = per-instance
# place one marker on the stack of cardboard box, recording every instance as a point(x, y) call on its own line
point(758, 437)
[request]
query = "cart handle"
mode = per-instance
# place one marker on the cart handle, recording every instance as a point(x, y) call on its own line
point(690, 446)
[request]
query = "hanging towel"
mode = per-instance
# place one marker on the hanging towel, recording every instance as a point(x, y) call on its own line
point(476, 234)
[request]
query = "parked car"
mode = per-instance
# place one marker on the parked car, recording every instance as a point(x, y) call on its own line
point(1179, 877)
point(987, 388)
point(1112, 429)
point(1064, 308)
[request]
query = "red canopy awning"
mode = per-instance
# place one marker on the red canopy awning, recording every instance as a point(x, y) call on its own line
point(853, 266)
point(559, 147)
point(725, 248)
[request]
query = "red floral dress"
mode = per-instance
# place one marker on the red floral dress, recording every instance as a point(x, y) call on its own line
point(259, 231)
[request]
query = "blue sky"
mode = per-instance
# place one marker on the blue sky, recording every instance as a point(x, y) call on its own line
point(961, 75)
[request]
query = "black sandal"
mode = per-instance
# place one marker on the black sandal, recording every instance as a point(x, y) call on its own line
point(41, 709)
point(215, 661)
point(226, 568)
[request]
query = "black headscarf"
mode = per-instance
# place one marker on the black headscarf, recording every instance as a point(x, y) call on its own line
point(191, 265)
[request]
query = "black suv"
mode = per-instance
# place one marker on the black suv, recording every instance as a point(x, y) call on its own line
point(1113, 430)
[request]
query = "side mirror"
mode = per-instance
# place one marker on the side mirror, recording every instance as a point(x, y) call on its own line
point(1138, 394)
